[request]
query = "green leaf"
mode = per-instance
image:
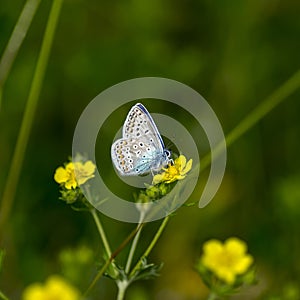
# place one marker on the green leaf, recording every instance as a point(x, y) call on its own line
point(146, 271)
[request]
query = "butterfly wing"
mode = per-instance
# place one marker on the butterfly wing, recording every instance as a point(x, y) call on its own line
point(139, 124)
point(141, 148)
point(134, 157)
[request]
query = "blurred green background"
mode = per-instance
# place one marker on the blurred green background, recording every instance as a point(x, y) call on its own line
point(234, 53)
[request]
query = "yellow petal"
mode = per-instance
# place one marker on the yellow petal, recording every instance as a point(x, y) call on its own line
point(226, 274)
point(89, 167)
point(188, 167)
point(82, 180)
point(61, 175)
point(158, 178)
point(34, 292)
point(179, 177)
point(71, 184)
point(243, 264)
point(212, 246)
point(212, 249)
point(70, 166)
point(180, 162)
point(236, 246)
point(58, 288)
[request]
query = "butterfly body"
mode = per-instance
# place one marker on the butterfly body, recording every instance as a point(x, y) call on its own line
point(141, 149)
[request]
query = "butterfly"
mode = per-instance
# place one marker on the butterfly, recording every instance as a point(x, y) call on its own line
point(141, 149)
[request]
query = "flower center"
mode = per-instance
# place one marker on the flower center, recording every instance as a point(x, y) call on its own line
point(71, 174)
point(173, 171)
point(225, 259)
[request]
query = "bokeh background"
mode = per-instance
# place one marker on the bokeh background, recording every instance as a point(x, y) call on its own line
point(235, 53)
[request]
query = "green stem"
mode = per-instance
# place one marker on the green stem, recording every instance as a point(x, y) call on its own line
point(22, 141)
point(134, 244)
point(97, 277)
point(103, 238)
point(280, 94)
point(101, 232)
point(112, 257)
point(122, 286)
point(3, 297)
point(151, 245)
point(17, 37)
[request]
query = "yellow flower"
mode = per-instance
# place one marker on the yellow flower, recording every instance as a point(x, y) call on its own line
point(226, 260)
point(55, 288)
point(174, 172)
point(74, 174)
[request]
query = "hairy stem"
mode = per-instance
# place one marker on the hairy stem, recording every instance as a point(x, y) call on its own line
point(151, 245)
point(101, 232)
point(134, 245)
point(112, 257)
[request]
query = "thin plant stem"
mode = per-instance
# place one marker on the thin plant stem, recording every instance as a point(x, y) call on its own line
point(280, 94)
point(97, 277)
point(134, 245)
point(101, 231)
point(22, 141)
point(151, 245)
point(112, 257)
point(16, 39)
